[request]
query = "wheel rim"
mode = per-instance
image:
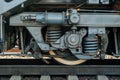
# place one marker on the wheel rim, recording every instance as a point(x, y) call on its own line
point(66, 62)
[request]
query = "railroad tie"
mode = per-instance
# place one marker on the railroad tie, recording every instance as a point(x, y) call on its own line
point(72, 77)
point(102, 77)
point(45, 78)
point(16, 78)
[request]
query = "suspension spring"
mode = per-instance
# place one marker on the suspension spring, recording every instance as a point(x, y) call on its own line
point(91, 45)
point(53, 34)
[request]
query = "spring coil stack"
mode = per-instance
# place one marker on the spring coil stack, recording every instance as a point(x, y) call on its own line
point(53, 34)
point(91, 45)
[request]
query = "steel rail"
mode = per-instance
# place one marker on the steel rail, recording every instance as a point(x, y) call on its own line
point(59, 70)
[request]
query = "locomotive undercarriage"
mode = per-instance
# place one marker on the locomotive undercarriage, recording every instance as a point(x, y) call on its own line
point(70, 36)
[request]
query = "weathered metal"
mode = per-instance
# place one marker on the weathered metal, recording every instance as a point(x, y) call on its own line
point(59, 70)
point(5, 6)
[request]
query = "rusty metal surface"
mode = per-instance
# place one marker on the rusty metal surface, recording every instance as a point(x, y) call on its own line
point(116, 5)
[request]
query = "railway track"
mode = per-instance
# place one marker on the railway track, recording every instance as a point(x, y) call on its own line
point(59, 72)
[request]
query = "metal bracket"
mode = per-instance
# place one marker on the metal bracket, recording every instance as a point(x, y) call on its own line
point(96, 30)
point(5, 6)
point(37, 35)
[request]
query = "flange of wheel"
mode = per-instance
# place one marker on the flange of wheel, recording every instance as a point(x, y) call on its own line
point(65, 61)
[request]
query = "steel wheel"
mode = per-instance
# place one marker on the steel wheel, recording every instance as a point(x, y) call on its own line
point(66, 61)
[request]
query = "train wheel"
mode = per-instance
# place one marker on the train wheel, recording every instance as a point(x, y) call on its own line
point(65, 60)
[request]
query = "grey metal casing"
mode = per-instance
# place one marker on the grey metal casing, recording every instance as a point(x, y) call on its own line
point(51, 18)
point(98, 1)
point(86, 19)
point(5, 6)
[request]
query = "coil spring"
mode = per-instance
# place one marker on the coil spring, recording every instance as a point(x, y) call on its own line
point(53, 34)
point(91, 45)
